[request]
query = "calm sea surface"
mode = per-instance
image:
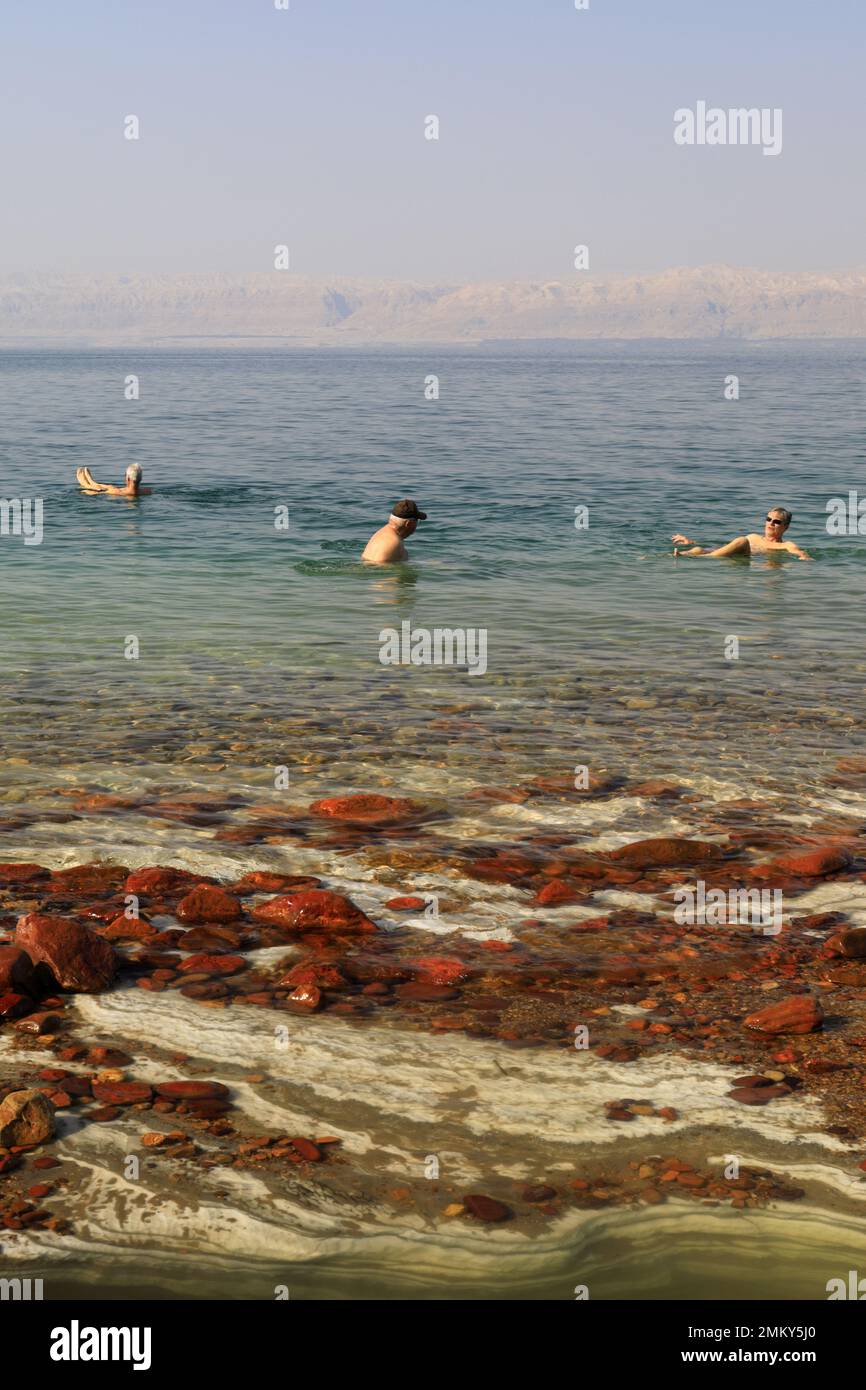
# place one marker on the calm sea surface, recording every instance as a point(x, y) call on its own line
point(237, 620)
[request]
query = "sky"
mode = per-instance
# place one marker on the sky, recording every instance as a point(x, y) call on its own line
point(262, 127)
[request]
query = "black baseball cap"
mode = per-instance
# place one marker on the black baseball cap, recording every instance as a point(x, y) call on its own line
point(407, 510)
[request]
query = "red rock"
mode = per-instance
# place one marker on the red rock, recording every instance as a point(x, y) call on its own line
point(816, 864)
point(212, 965)
point(208, 904)
point(366, 809)
point(46, 1162)
point(307, 1149)
point(261, 882)
point(426, 993)
point(322, 974)
point(305, 997)
point(558, 891)
point(591, 924)
point(192, 1090)
point(799, 1013)
point(20, 874)
point(669, 852)
point(108, 1057)
point(39, 1023)
point(160, 881)
point(128, 929)
point(88, 878)
point(16, 971)
point(850, 944)
point(439, 970)
point(538, 1194)
point(408, 904)
point(485, 1208)
point(122, 1092)
point(506, 867)
point(14, 1006)
point(317, 909)
point(103, 1114)
point(78, 959)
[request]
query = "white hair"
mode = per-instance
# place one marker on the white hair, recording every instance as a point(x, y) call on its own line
point(133, 473)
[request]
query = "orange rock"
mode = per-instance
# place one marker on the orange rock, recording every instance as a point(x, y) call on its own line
point(799, 1013)
point(366, 808)
point(816, 864)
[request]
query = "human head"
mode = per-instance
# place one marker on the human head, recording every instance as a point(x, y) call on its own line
point(405, 516)
point(773, 532)
point(133, 476)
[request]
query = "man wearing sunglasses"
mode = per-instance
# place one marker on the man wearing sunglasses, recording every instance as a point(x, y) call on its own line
point(777, 522)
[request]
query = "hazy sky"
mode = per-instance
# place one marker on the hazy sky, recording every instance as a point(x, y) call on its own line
point(306, 127)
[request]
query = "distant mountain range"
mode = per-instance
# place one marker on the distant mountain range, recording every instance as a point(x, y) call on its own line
point(706, 302)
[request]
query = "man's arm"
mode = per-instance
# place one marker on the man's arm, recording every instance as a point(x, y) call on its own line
point(795, 550)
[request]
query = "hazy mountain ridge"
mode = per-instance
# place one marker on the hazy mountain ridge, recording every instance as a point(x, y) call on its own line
point(706, 302)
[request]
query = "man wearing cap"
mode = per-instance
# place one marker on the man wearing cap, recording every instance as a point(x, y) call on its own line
point(387, 546)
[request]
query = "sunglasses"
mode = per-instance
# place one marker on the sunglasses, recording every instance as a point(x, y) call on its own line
point(775, 521)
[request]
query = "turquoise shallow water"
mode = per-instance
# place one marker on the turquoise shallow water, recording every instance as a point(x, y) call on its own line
point(233, 615)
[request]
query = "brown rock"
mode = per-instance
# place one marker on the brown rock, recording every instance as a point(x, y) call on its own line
point(78, 959)
point(16, 971)
point(26, 1117)
point(670, 852)
point(21, 874)
point(758, 1095)
point(208, 904)
point(850, 944)
point(192, 1090)
point(485, 1208)
point(14, 1006)
point(205, 989)
point(108, 1057)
